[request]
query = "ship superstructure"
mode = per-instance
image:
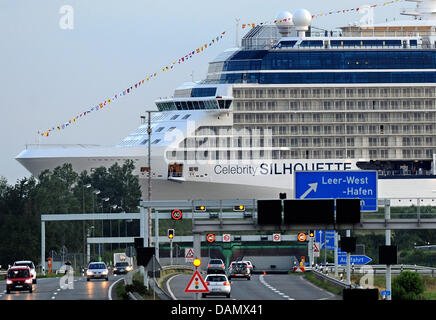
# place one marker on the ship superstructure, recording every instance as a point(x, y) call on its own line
point(291, 97)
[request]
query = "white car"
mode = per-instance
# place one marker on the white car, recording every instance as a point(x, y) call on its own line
point(218, 284)
point(29, 264)
point(249, 265)
point(97, 270)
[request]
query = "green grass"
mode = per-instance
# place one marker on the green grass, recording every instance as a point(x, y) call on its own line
point(321, 283)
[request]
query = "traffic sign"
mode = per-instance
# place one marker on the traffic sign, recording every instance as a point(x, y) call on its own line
point(210, 237)
point(385, 293)
point(197, 284)
point(189, 254)
point(176, 214)
point(316, 249)
point(226, 237)
point(301, 237)
point(276, 237)
point(338, 185)
point(354, 259)
point(326, 239)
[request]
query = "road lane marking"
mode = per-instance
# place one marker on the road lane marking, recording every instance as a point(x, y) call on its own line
point(261, 278)
point(111, 286)
point(168, 286)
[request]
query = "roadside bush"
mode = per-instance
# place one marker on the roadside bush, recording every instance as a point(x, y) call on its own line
point(137, 286)
point(408, 286)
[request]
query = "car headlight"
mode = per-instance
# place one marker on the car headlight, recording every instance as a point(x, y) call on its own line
point(89, 273)
point(28, 281)
point(129, 268)
point(8, 281)
point(104, 272)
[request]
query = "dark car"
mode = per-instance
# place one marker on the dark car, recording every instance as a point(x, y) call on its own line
point(122, 268)
point(18, 279)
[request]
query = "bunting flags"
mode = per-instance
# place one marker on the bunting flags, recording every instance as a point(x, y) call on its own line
point(252, 25)
point(129, 90)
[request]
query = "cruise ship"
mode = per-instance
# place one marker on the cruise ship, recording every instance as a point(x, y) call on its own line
point(290, 97)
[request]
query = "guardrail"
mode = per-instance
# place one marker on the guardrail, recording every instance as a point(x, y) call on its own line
point(381, 269)
point(319, 272)
point(335, 282)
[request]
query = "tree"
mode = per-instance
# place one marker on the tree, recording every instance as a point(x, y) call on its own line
point(408, 286)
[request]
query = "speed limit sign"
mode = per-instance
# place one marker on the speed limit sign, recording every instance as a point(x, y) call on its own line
point(176, 214)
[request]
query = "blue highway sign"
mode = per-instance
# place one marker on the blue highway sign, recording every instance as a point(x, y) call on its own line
point(354, 259)
point(338, 185)
point(328, 242)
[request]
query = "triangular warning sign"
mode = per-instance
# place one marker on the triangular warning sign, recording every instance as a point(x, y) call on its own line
point(196, 284)
point(189, 253)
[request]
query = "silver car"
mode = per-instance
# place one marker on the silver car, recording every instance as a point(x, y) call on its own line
point(218, 284)
point(215, 266)
point(97, 270)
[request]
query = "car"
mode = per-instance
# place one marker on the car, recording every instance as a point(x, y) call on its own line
point(240, 270)
point(218, 284)
point(216, 266)
point(97, 270)
point(122, 268)
point(31, 266)
point(19, 278)
point(249, 265)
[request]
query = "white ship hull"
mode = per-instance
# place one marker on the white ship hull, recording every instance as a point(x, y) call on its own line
point(214, 181)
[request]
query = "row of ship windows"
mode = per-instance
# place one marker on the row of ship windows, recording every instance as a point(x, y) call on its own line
point(335, 92)
point(327, 105)
point(308, 142)
point(297, 60)
point(260, 131)
point(299, 154)
point(239, 118)
point(324, 77)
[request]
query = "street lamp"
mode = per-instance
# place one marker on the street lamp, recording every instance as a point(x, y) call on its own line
point(83, 222)
point(95, 192)
point(149, 131)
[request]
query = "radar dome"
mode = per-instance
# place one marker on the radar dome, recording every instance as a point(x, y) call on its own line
point(284, 23)
point(302, 18)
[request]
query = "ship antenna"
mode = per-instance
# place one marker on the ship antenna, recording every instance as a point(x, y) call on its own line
point(237, 32)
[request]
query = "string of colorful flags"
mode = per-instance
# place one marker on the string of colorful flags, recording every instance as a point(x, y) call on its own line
point(180, 60)
point(106, 102)
point(245, 25)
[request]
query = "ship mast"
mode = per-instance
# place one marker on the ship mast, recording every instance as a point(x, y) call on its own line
point(425, 9)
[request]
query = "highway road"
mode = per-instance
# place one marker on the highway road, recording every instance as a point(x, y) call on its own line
point(260, 287)
point(50, 289)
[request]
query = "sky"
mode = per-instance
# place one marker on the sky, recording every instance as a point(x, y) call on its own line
point(52, 68)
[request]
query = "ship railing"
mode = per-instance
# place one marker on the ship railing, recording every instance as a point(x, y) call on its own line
point(390, 173)
point(65, 146)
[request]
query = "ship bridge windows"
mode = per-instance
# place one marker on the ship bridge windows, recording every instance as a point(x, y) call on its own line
point(203, 92)
point(312, 44)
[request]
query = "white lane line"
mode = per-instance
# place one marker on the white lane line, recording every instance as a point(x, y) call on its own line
point(168, 286)
point(110, 288)
point(261, 278)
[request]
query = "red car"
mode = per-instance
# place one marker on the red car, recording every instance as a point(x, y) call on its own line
point(19, 278)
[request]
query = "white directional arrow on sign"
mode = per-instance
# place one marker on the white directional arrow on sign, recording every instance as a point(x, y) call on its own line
point(313, 187)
